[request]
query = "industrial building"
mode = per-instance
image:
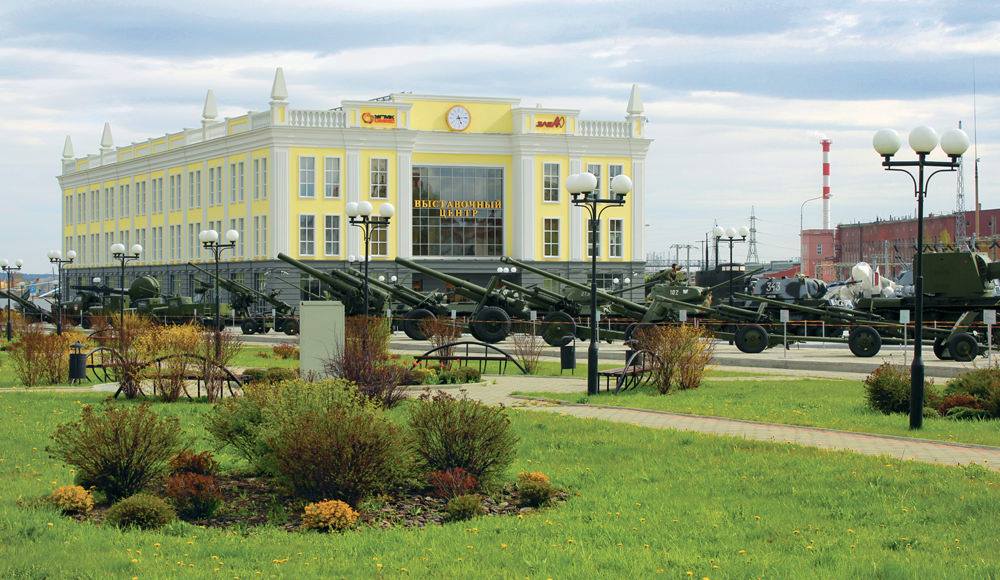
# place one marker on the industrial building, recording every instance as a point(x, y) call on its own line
point(471, 179)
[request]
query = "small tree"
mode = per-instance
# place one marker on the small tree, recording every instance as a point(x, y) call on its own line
point(365, 361)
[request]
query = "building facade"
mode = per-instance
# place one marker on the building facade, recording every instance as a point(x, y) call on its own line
point(471, 179)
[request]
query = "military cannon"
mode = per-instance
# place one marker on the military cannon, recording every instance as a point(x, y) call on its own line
point(347, 290)
point(28, 308)
point(246, 305)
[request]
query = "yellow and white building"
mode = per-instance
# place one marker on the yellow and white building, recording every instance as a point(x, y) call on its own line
point(471, 178)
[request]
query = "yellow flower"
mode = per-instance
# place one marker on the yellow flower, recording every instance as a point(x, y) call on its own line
point(503, 546)
point(690, 573)
point(279, 561)
point(743, 552)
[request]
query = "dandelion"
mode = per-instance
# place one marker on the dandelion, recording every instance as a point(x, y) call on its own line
point(50, 524)
point(503, 546)
point(743, 552)
point(135, 561)
point(156, 545)
point(690, 573)
point(279, 561)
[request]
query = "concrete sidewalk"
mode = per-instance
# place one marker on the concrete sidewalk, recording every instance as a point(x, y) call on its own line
point(896, 447)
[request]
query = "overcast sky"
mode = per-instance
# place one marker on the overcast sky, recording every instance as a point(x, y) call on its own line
point(737, 93)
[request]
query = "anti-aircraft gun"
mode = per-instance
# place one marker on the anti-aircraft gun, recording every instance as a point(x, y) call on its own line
point(246, 304)
point(93, 300)
point(348, 290)
point(28, 308)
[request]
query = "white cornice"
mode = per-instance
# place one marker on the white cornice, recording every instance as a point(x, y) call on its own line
point(407, 97)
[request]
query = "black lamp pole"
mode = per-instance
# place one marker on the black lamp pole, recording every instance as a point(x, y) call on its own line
point(10, 272)
point(595, 206)
point(217, 247)
point(57, 259)
point(731, 240)
point(920, 183)
point(368, 224)
point(118, 253)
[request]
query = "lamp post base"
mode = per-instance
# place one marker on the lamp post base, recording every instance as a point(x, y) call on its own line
point(593, 387)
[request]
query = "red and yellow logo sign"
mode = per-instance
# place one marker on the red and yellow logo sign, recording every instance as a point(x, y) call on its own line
point(557, 122)
point(369, 118)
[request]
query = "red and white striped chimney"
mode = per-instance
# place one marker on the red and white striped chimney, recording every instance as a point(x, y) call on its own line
point(826, 183)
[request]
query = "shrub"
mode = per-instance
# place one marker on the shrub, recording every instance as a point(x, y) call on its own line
point(285, 351)
point(459, 375)
point(441, 331)
point(696, 347)
point(528, 349)
point(967, 414)
point(452, 482)
point(454, 432)
point(120, 449)
point(193, 494)
point(143, 511)
point(347, 450)
point(981, 384)
point(534, 489)
point(172, 341)
point(134, 346)
point(420, 376)
point(72, 500)
point(464, 507)
point(236, 422)
point(253, 375)
point(365, 361)
point(330, 515)
point(949, 402)
point(681, 354)
point(887, 389)
point(40, 358)
point(190, 462)
point(218, 350)
point(279, 374)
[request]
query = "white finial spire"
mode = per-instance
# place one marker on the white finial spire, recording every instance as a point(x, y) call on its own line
point(634, 102)
point(106, 141)
point(278, 90)
point(68, 148)
point(211, 109)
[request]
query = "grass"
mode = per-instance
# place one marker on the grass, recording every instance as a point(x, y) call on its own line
point(706, 507)
point(831, 403)
point(251, 356)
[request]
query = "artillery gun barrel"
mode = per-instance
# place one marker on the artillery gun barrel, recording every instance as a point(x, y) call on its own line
point(538, 298)
point(474, 291)
point(841, 313)
point(735, 278)
point(343, 289)
point(399, 293)
point(626, 304)
point(238, 288)
point(358, 282)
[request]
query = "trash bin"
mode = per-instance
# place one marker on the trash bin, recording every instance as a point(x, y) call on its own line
point(567, 357)
point(77, 364)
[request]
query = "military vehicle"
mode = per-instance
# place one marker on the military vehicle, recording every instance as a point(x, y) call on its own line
point(28, 309)
point(254, 311)
point(346, 289)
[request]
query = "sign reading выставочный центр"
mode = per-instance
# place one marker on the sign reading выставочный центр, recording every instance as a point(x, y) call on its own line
point(457, 208)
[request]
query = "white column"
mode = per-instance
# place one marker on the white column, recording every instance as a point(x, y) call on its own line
point(404, 199)
point(638, 200)
point(353, 194)
point(524, 219)
point(575, 217)
point(281, 238)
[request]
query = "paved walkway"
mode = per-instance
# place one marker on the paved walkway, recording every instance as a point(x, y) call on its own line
point(896, 447)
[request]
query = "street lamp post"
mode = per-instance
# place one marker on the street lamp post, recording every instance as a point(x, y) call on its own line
point(360, 215)
point(583, 189)
point(210, 241)
point(55, 257)
point(9, 270)
point(731, 235)
point(923, 141)
point(118, 253)
point(802, 209)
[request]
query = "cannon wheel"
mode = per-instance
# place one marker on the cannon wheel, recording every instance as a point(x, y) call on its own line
point(558, 328)
point(864, 341)
point(292, 327)
point(248, 326)
point(413, 323)
point(963, 347)
point(941, 348)
point(751, 338)
point(491, 325)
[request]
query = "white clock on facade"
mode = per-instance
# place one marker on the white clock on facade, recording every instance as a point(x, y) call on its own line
point(458, 118)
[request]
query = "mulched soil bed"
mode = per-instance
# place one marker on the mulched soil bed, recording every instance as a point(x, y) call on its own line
point(255, 501)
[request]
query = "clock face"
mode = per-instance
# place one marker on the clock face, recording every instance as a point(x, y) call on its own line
point(458, 118)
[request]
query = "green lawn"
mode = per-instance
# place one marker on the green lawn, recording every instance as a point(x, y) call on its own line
point(832, 403)
point(252, 356)
point(645, 502)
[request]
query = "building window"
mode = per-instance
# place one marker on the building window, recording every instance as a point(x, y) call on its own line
point(819, 249)
point(331, 235)
point(474, 230)
point(218, 185)
point(379, 170)
point(307, 177)
point(605, 280)
point(331, 177)
point(550, 182)
point(550, 237)
point(237, 224)
point(263, 178)
point(595, 168)
point(240, 175)
point(380, 242)
point(614, 170)
point(232, 183)
point(256, 178)
point(616, 238)
point(307, 235)
point(263, 236)
point(593, 236)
